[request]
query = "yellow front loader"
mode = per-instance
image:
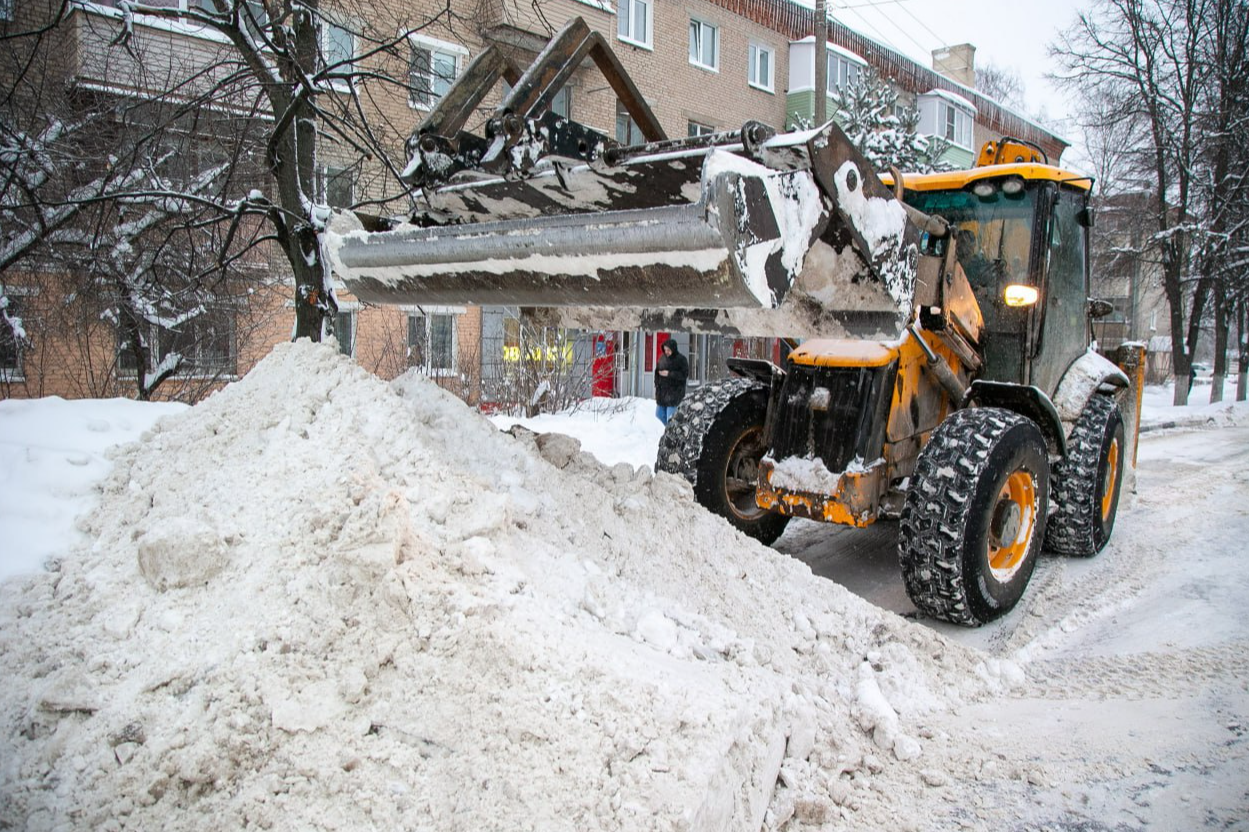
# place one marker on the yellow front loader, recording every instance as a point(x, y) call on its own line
point(945, 375)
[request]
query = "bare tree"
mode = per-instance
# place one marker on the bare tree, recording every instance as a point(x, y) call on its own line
point(1223, 182)
point(1145, 57)
point(1000, 83)
point(126, 201)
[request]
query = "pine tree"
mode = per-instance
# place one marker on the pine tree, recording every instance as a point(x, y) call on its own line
point(888, 135)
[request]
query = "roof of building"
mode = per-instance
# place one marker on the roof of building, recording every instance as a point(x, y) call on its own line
point(797, 22)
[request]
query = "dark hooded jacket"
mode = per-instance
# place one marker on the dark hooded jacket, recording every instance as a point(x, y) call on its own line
point(670, 389)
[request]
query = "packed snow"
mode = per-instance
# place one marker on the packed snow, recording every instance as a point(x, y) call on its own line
point(322, 601)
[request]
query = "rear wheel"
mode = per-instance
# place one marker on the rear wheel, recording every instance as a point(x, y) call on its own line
point(715, 440)
point(1087, 482)
point(974, 516)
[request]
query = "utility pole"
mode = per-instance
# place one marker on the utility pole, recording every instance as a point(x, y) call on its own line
point(821, 63)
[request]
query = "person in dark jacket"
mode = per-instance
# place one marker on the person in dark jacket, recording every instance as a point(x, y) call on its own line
point(670, 374)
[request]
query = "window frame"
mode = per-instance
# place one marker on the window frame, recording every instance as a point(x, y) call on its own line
point(697, 30)
point(161, 344)
point(631, 127)
point(946, 109)
point(350, 314)
point(435, 47)
point(425, 365)
point(755, 50)
point(327, 26)
point(853, 72)
point(625, 18)
point(16, 298)
point(698, 128)
point(327, 174)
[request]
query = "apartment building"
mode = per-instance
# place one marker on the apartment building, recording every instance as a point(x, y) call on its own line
point(702, 66)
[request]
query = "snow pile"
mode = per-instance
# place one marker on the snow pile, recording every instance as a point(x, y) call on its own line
point(318, 601)
point(52, 454)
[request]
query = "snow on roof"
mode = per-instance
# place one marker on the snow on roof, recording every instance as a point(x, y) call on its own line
point(834, 48)
point(320, 601)
point(952, 98)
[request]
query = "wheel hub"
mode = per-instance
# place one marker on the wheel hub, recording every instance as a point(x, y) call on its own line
point(1006, 520)
point(1012, 525)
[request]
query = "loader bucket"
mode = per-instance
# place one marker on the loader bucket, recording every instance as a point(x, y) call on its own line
point(696, 229)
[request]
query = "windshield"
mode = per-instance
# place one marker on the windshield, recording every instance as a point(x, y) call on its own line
point(994, 234)
point(994, 247)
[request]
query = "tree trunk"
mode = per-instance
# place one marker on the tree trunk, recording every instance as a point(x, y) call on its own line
point(1242, 358)
point(1222, 323)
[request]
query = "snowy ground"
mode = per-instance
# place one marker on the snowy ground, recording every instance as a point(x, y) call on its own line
point(350, 605)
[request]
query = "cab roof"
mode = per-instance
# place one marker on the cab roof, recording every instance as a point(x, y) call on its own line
point(959, 179)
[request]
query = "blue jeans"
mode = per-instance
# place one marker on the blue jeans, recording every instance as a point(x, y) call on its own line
point(664, 412)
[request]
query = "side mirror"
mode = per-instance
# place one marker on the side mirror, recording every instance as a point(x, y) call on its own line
point(1084, 217)
point(1099, 308)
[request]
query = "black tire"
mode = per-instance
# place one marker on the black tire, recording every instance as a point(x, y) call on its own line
point(974, 516)
point(715, 440)
point(1087, 482)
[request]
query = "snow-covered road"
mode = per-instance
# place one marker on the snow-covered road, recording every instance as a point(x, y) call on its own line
point(1136, 710)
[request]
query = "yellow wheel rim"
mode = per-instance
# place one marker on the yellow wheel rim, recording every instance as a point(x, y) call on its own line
point(1012, 525)
point(1108, 483)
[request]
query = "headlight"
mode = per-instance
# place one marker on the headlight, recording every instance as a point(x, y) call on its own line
point(984, 189)
point(1020, 295)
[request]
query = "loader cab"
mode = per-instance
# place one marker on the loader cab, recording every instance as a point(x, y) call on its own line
point(1022, 240)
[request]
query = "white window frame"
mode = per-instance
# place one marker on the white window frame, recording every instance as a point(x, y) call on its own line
point(6, 9)
point(18, 373)
point(698, 128)
point(350, 311)
point(191, 368)
point(452, 314)
point(632, 131)
point(755, 55)
point(961, 128)
point(323, 183)
point(323, 42)
point(842, 72)
point(626, 23)
point(699, 32)
point(435, 47)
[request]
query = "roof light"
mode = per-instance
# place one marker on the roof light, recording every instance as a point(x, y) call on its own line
point(985, 188)
point(1012, 185)
point(1020, 295)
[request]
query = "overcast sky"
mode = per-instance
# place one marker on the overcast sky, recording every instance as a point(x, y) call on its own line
point(1007, 33)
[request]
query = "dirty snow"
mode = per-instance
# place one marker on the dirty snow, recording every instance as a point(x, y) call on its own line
point(319, 601)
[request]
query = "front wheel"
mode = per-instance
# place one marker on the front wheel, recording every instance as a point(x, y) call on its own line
point(1087, 482)
point(974, 516)
point(715, 440)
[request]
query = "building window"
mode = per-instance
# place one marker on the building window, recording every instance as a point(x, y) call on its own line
point(633, 22)
point(842, 72)
point(205, 342)
point(760, 60)
point(338, 46)
point(6, 9)
point(942, 114)
point(431, 343)
point(956, 125)
point(561, 104)
point(704, 45)
point(696, 129)
point(12, 336)
point(345, 331)
point(433, 66)
point(627, 130)
point(336, 186)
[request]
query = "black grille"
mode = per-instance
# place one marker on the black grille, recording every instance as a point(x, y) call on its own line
point(853, 425)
